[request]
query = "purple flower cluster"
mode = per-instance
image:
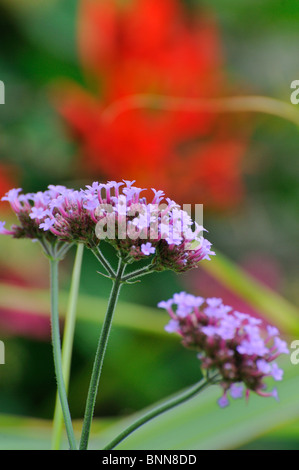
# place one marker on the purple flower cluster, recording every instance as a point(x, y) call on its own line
point(33, 212)
point(227, 341)
point(114, 212)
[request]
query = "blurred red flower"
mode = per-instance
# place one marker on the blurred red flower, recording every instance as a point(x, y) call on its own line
point(6, 179)
point(154, 47)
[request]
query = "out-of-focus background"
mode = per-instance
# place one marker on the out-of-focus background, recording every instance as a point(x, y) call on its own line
point(68, 68)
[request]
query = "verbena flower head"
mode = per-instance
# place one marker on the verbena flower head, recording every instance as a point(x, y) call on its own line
point(138, 228)
point(115, 212)
point(56, 214)
point(230, 342)
point(33, 211)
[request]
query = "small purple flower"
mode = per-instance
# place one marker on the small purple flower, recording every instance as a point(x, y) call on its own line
point(253, 345)
point(276, 372)
point(172, 327)
point(165, 304)
point(94, 187)
point(214, 302)
point(38, 213)
point(4, 231)
point(47, 224)
point(263, 366)
point(12, 195)
point(242, 316)
point(158, 196)
point(223, 402)
point(236, 391)
point(281, 346)
point(272, 331)
point(147, 249)
point(210, 330)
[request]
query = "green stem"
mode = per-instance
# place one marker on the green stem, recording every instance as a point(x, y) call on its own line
point(138, 273)
point(99, 357)
point(101, 258)
point(68, 338)
point(57, 352)
point(169, 404)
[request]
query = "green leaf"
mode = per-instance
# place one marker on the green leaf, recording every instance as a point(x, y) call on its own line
point(90, 308)
point(272, 306)
point(49, 25)
point(276, 309)
point(198, 424)
point(23, 433)
point(201, 424)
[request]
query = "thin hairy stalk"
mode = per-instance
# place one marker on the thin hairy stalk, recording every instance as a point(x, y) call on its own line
point(139, 273)
point(67, 345)
point(101, 258)
point(99, 357)
point(168, 405)
point(46, 248)
point(57, 353)
point(62, 250)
